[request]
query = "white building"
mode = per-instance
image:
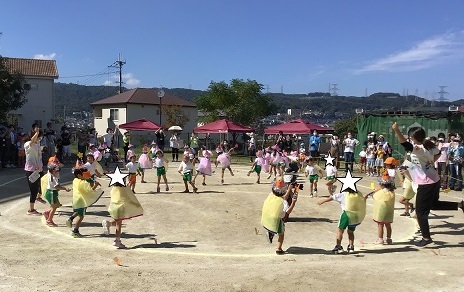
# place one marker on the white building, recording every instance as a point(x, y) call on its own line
point(40, 78)
point(137, 104)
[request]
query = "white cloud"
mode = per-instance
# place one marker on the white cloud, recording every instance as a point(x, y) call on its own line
point(425, 54)
point(128, 80)
point(45, 57)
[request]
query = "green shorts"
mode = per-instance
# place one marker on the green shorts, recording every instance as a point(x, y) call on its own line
point(257, 169)
point(313, 178)
point(160, 171)
point(141, 170)
point(345, 222)
point(52, 197)
point(80, 212)
point(188, 176)
point(330, 178)
point(280, 164)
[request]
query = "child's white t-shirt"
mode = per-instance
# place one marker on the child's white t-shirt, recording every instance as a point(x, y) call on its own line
point(331, 170)
point(90, 167)
point(310, 170)
point(340, 198)
point(362, 154)
point(158, 162)
point(132, 167)
point(185, 167)
point(370, 154)
point(53, 181)
point(391, 173)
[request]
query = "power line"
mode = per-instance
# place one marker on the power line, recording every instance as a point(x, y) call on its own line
point(118, 64)
point(89, 75)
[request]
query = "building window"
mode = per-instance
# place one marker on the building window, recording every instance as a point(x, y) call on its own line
point(114, 114)
point(98, 113)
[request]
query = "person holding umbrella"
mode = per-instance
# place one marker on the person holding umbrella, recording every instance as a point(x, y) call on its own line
point(174, 142)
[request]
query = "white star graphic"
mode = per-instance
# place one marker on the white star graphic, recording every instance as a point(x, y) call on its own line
point(349, 182)
point(117, 177)
point(329, 160)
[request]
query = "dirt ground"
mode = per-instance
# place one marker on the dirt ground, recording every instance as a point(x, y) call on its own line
point(213, 241)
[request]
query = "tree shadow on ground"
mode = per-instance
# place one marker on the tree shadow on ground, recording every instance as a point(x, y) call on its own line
point(164, 245)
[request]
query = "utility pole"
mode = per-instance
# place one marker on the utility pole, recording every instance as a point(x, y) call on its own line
point(118, 64)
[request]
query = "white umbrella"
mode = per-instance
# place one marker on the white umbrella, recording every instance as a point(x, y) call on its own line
point(175, 128)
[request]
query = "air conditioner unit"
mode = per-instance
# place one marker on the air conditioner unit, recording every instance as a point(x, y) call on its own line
point(453, 108)
point(359, 110)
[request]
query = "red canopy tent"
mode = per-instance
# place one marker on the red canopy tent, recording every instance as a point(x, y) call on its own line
point(298, 126)
point(222, 126)
point(140, 125)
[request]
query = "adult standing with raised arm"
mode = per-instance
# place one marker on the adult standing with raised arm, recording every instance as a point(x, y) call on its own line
point(33, 168)
point(174, 144)
point(424, 153)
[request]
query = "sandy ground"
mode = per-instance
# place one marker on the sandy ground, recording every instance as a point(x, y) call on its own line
point(213, 241)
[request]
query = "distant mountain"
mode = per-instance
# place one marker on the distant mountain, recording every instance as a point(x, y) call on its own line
point(77, 98)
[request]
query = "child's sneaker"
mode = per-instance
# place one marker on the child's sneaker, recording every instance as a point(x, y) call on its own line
point(350, 248)
point(195, 190)
point(405, 214)
point(76, 234)
point(311, 195)
point(118, 244)
point(337, 249)
point(334, 188)
point(280, 252)
point(157, 189)
point(106, 227)
point(248, 174)
point(69, 223)
point(389, 241)
point(379, 241)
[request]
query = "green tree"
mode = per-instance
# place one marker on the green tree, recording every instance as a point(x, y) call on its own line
point(174, 115)
point(242, 102)
point(12, 91)
point(344, 126)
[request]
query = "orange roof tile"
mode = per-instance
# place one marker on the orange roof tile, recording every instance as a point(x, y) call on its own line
point(32, 67)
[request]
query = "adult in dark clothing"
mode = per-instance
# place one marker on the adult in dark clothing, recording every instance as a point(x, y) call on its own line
point(280, 141)
point(160, 139)
point(288, 144)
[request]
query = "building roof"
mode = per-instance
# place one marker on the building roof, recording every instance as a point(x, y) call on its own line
point(32, 67)
point(143, 96)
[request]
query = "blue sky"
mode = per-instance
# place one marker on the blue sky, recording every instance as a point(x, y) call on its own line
point(296, 46)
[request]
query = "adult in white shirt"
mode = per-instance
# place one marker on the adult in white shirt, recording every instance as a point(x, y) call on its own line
point(348, 153)
point(174, 144)
point(34, 164)
point(108, 137)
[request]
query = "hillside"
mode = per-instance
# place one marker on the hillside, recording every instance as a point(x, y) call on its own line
point(77, 98)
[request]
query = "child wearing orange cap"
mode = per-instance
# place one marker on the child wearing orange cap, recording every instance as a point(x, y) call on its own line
point(384, 207)
point(275, 208)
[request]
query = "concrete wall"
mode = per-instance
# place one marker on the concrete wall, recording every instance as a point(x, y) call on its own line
point(39, 106)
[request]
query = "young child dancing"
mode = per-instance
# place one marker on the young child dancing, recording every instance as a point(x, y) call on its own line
point(144, 162)
point(353, 206)
point(384, 207)
point(331, 176)
point(84, 196)
point(186, 170)
point(312, 172)
point(123, 205)
point(204, 167)
point(224, 159)
point(158, 163)
point(363, 158)
point(133, 168)
point(257, 165)
point(51, 195)
point(275, 208)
